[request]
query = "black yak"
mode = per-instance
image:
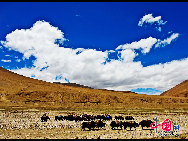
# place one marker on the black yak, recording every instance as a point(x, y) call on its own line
point(145, 123)
point(60, 117)
point(119, 118)
point(130, 124)
point(44, 118)
point(116, 124)
point(89, 125)
point(129, 118)
point(100, 124)
point(108, 117)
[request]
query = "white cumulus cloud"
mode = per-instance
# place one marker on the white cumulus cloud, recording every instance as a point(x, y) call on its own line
point(6, 60)
point(86, 66)
point(144, 44)
point(167, 41)
point(149, 19)
point(18, 60)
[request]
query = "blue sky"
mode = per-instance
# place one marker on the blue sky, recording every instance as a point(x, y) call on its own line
point(97, 28)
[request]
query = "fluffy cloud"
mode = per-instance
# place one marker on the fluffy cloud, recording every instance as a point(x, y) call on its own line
point(31, 41)
point(152, 20)
point(18, 60)
point(6, 60)
point(86, 66)
point(144, 44)
point(167, 41)
point(128, 55)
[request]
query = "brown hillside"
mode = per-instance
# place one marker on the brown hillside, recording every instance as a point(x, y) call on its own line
point(23, 92)
point(180, 90)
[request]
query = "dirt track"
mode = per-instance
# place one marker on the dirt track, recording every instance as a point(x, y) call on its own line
point(27, 125)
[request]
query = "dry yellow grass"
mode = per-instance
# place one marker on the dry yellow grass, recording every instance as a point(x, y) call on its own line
point(17, 91)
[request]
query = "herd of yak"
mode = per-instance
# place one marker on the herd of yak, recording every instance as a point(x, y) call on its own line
point(91, 122)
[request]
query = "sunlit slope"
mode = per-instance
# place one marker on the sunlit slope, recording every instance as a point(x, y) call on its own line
point(180, 90)
point(24, 92)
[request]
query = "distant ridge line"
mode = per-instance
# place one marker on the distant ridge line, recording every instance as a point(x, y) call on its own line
point(73, 84)
point(79, 85)
point(65, 84)
point(171, 89)
point(22, 75)
point(118, 91)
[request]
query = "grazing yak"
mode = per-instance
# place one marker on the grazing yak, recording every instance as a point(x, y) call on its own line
point(108, 117)
point(60, 117)
point(86, 117)
point(119, 118)
point(83, 117)
point(103, 117)
point(78, 118)
point(90, 125)
point(69, 117)
point(44, 118)
point(130, 124)
point(100, 124)
point(100, 117)
point(91, 117)
point(116, 124)
point(145, 123)
point(129, 118)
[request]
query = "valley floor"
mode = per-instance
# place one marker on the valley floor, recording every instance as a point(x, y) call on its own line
point(26, 124)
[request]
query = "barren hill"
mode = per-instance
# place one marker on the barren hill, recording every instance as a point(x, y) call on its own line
point(180, 90)
point(17, 91)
